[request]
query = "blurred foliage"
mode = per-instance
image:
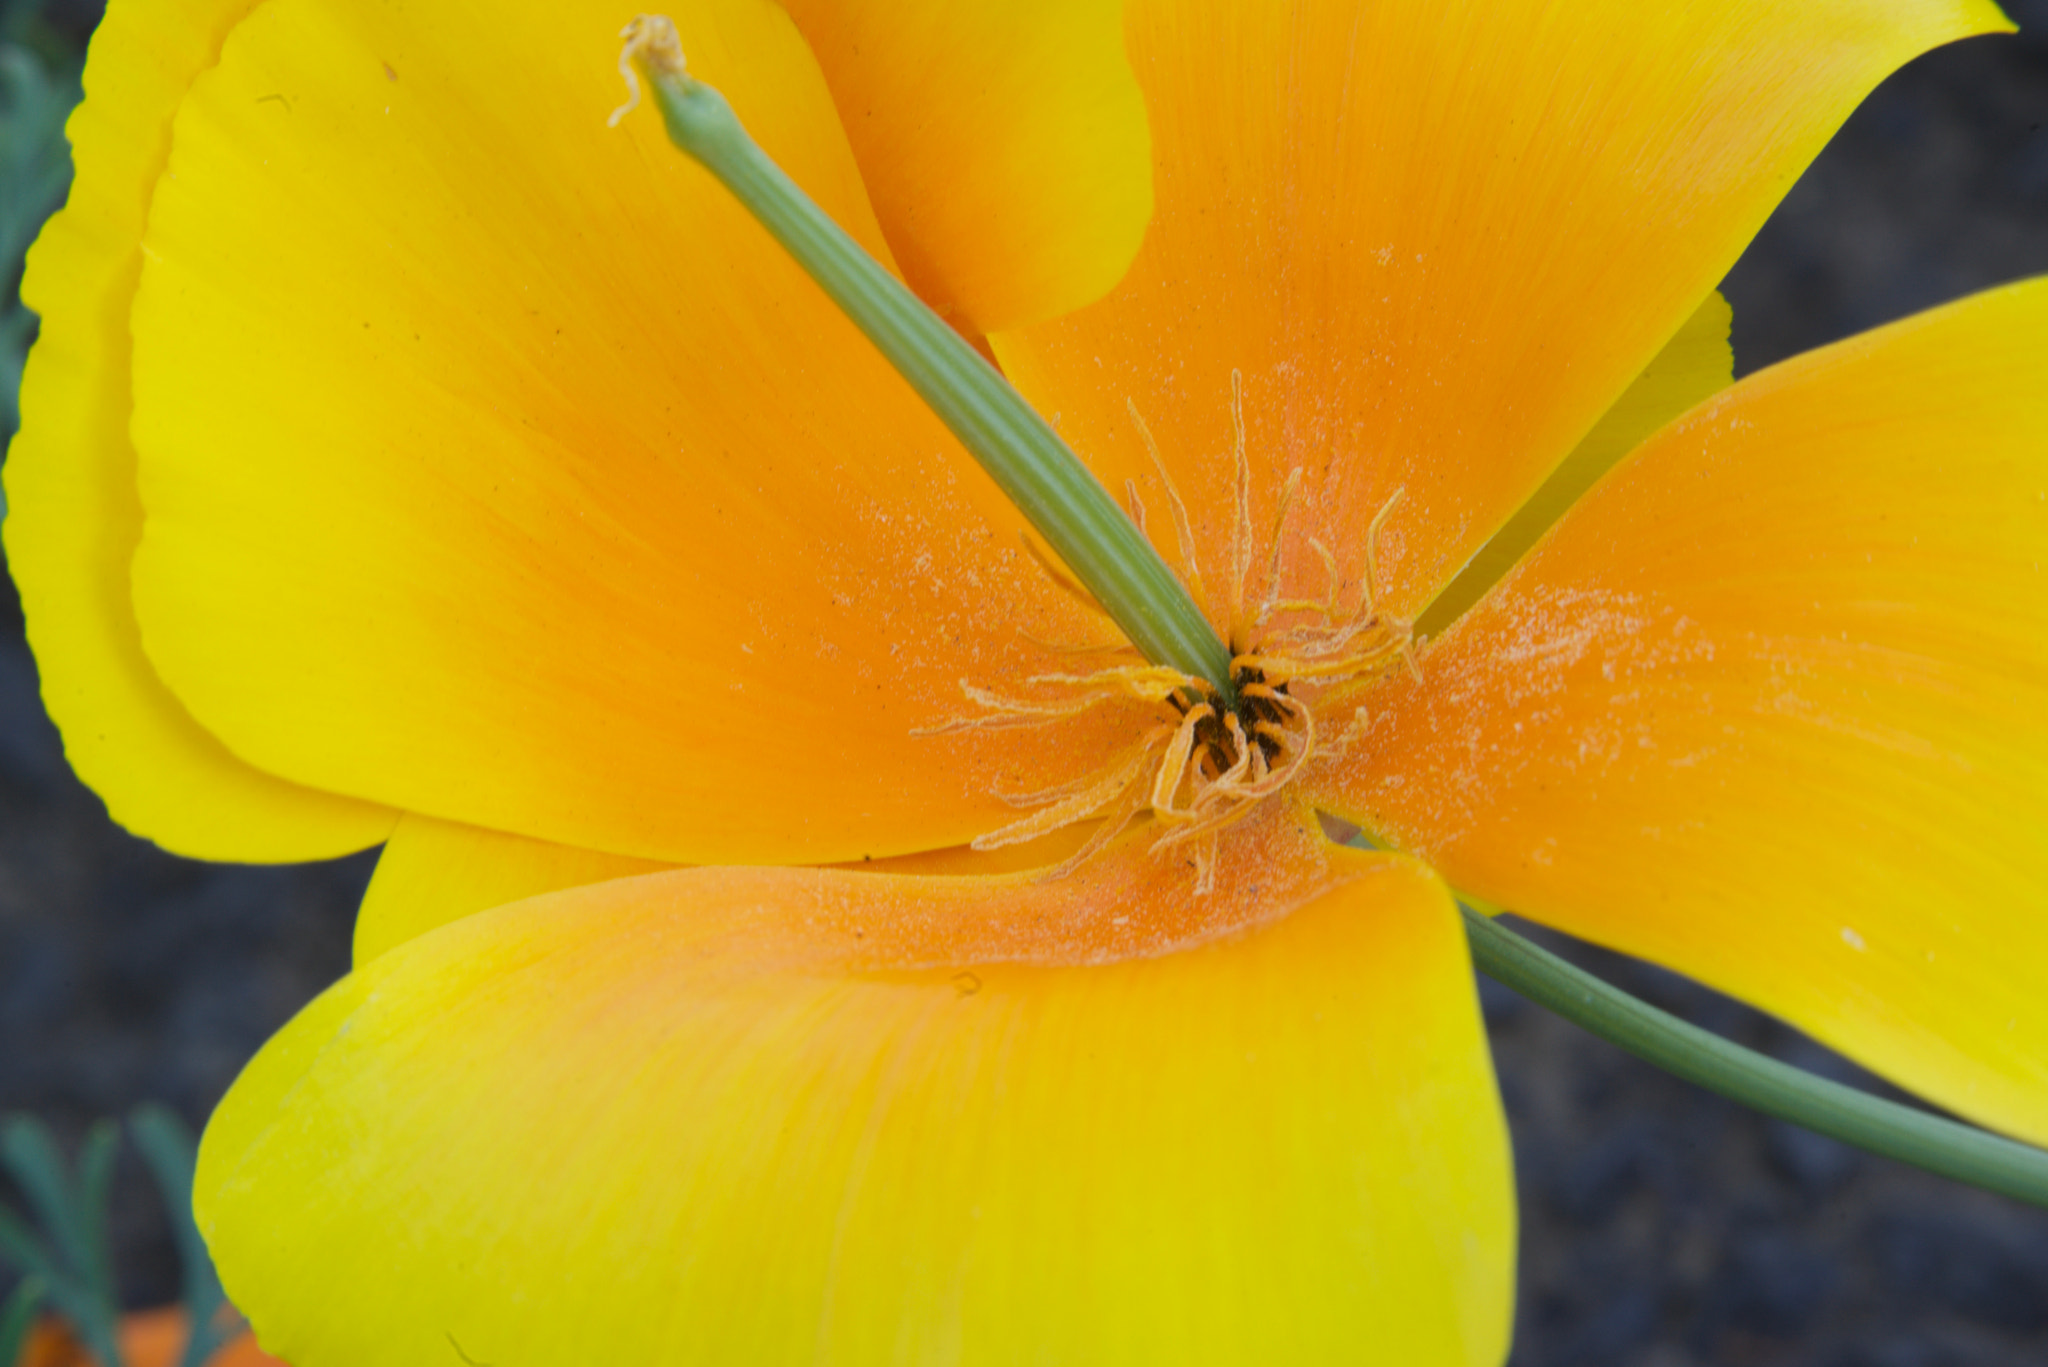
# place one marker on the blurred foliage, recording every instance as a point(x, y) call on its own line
point(64, 1257)
point(39, 70)
point(68, 1257)
point(18, 1317)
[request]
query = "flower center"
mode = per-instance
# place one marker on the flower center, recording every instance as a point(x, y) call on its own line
point(1207, 762)
point(1262, 716)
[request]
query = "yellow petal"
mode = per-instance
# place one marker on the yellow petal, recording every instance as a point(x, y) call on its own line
point(1438, 241)
point(500, 468)
point(1770, 706)
point(736, 1116)
point(433, 872)
point(74, 517)
point(1694, 364)
point(1004, 146)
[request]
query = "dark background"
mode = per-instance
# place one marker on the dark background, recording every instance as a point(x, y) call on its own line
point(1662, 1227)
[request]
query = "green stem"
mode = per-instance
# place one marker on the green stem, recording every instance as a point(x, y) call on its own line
point(1926, 1141)
point(1026, 458)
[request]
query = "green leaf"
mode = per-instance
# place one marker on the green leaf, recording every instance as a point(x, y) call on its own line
point(20, 1246)
point(38, 1169)
point(79, 1278)
point(17, 326)
point(95, 1187)
point(168, 1149)
point(35, 168)
point(17, 1318)
point(35, 159)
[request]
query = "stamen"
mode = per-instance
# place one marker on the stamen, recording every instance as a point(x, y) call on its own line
point(1005, 713)
point(1372, 543)
point(1236, 772)
point(1285, 670)
point(1112, 826)
point(1261, 770)
point(1173, 767)
point(1221, 756)
point(1274, 732)
point(1146, 683)
point(1067, 812)
point(1149, 683)
point(1327, 608)
point(1287, 494)
point(1183, 529)
point(1059, 792)
point(1274, 607)
point(1332, 580)
point(1205, 867)
point(1008, 716)
point(1136, 504)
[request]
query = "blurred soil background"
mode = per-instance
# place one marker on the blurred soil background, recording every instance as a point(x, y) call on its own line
point(1662, 1227)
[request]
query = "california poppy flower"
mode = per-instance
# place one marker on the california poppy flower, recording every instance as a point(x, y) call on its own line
point(408, 459)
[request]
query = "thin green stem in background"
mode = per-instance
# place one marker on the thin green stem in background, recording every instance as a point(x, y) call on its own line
point(1868, 1122)
point(168, 1148)
point(1047, 482)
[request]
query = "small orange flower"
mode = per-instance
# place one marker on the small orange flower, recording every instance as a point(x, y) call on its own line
point(408, 459)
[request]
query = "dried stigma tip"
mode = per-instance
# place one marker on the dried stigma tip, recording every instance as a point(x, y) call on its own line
point(652, 45)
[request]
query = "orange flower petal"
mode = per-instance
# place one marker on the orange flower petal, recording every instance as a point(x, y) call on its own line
point(1693, 365)
point(433, 872)
point(1768, 707)
point(739, 1116)
point(1004, 146)
point(1043, 853)
point(74, 518)
point(500, 468)
point(1437, 241)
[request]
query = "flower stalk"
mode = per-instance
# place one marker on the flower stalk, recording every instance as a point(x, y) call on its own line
point(1035, 469)
point(1939, 1145)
